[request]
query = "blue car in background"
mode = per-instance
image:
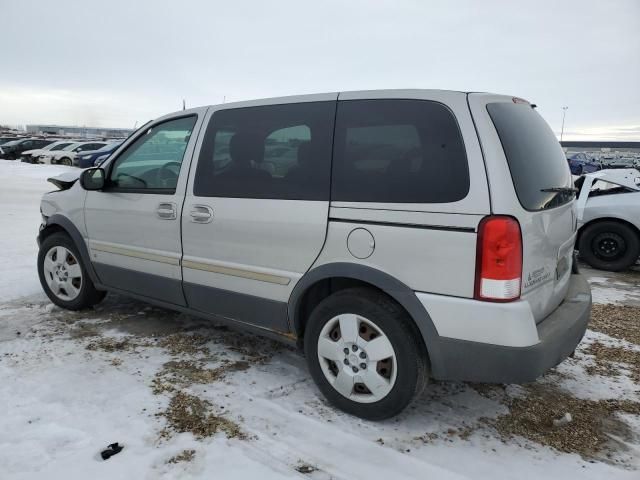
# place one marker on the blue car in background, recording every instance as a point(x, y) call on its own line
point(91, 157)
point(580, 163)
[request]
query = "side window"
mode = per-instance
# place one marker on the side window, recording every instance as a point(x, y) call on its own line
point(59, 147)
point(275, 151)
point(153, 160)
point(398, 151)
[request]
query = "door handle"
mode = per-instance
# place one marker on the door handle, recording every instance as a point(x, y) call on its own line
point(201, 214)
point(167, 211)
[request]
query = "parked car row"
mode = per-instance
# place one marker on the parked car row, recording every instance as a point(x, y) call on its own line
point(12, 149)
point(56, 151)
point(67, 155)
point(581, 163)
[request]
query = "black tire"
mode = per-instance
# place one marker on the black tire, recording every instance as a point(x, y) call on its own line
point(411, 356)
point(609, 245)
point(88, 295)
point(65, 161)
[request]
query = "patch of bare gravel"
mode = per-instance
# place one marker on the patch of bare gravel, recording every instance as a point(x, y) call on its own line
point(184, 456)
point(177, 374)
point(185, 344)
point(608, 359)
point(617, 321)
point(532, 416)
point(188, 413)
point(111, 344)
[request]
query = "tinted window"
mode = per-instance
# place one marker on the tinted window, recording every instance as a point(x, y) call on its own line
point(534, 155)
point(92, 146)
point(275, 151)
point(398, 151)
point(153, 160)
point(60, 146)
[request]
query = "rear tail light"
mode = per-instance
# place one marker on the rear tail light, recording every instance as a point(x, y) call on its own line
point(498, 259)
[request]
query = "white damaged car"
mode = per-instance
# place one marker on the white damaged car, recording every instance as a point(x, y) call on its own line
point(609, 218)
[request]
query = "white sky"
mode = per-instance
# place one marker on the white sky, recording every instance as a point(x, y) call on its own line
point(116, 62)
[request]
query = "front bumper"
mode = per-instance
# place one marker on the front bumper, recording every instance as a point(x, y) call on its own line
point(559, 334)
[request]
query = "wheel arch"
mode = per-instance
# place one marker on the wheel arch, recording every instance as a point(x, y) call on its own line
point(60, 223)
point(316, 285)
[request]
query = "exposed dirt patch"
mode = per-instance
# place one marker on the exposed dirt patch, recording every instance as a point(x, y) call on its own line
point(111, 344)
point(184, 456)
point(185, 344)
point(188, 413)
point(617, 321)
point(532, 416)
point(178, 374)
point(608, 360)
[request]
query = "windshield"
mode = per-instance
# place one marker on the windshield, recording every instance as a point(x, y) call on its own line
point(534, 155)
point(13, 142)
point(55, 146)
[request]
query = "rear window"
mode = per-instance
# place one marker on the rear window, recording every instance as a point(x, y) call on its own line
point(534, 155)
point(398, 151)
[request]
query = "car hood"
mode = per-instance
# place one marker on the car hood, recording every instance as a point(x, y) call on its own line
point(65, 180)
point(36, 151)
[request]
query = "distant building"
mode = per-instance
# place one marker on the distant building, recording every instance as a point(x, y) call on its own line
point(601, 147)
point(78, 132)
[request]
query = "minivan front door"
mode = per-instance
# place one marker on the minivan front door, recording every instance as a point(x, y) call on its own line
point(133, 224)
point(256, 218)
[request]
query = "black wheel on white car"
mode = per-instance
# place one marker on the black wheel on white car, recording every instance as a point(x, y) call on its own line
point(610, 245)
point(63, 276)
point(66, 161)
point(364, 354)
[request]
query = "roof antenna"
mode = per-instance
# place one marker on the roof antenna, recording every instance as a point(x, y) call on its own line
point(184, 107)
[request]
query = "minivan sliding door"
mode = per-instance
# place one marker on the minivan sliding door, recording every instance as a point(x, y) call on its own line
point(255, 214)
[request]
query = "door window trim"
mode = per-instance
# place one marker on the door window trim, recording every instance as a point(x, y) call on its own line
point(143, 130)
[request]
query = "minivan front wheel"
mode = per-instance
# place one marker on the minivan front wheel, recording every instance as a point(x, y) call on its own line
point(363, 354)
point(63, 276)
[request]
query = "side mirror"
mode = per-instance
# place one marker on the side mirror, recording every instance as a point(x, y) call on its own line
point(92, 179)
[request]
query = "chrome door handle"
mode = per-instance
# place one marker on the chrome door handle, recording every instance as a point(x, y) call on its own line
point(167, 211)
point(201, 214)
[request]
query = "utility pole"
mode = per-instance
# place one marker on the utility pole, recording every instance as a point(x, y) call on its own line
point(564, 113)
point(184, 106)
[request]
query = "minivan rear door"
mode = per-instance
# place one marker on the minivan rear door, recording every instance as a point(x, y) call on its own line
point(529, 179)
point(257, 205)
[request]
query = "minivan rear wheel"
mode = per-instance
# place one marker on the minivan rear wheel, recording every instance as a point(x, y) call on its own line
point(609, 245)
point(63, 276)
point(364, 355)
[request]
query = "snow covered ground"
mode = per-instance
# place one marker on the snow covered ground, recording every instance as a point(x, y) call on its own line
point(72, 383)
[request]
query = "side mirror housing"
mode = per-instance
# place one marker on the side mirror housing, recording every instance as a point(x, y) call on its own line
point(92, 179)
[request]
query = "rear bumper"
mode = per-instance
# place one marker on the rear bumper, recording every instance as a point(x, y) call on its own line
point(559, 334)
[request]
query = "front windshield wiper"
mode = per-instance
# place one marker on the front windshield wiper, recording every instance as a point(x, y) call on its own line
point(560, 190)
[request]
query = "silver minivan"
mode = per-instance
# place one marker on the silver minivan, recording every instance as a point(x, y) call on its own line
point(394, 236)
